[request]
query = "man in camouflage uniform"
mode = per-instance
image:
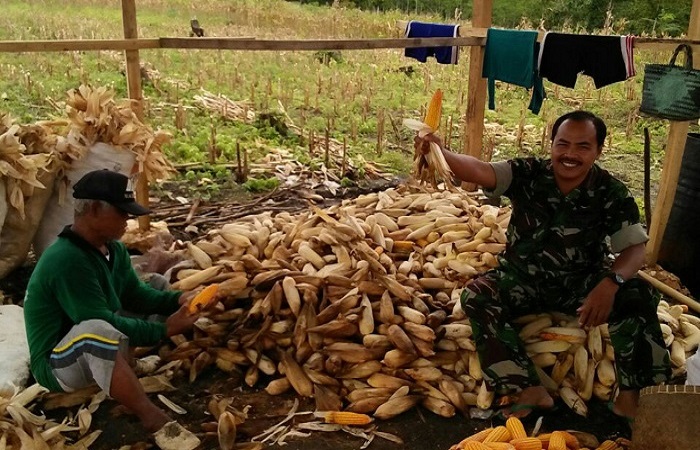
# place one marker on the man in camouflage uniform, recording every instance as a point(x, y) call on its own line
point(564, 210)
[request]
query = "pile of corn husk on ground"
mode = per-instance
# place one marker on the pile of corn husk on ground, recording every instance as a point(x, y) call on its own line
point(22, 428)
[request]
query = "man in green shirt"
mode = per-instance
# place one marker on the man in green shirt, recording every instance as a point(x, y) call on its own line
point(565, 209)
point(76, 335)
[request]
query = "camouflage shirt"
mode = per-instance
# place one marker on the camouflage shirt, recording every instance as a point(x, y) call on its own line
point(552, 235)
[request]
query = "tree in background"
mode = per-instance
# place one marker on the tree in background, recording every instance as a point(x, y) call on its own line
point(659, 17)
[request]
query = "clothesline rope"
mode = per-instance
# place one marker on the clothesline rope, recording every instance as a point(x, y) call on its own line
point(639, 41)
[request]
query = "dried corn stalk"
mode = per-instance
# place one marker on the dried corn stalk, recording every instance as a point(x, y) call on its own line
point(96, 117)
point(25, 153)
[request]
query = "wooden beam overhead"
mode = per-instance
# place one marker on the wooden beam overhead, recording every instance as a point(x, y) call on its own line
point(468, 37)
point(315, 44)
point(78, 45)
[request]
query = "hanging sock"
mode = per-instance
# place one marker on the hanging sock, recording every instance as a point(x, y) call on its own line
point(606, 59)
point(443, 55)
point(511, 56)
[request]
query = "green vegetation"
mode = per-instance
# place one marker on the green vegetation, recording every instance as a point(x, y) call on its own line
point(261, 184)
point(662, 17)
point(350, 93)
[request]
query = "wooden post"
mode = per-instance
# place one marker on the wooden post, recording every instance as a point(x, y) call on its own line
point(675, 147)
point(476, 97)
point(133, 83)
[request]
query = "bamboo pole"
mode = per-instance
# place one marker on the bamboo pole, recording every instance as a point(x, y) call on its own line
point(675, 147)
point(133, 83)
point(669, 291)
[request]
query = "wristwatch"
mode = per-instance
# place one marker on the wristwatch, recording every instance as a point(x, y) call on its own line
point(616, 278)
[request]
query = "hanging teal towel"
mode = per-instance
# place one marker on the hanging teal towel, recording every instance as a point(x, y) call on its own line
point(511, 56)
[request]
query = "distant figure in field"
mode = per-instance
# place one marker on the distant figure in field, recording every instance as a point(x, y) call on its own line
point(196, 29)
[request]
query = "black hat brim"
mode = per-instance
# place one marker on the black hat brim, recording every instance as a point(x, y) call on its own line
point(132, 208)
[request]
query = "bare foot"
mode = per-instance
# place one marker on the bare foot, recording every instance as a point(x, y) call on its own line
point(531, 398)
point(626, 404)
point(156, 421)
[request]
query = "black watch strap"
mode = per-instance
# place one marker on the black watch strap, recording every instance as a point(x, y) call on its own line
point(616, 278)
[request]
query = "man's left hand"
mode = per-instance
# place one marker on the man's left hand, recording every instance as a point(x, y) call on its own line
point(598, 304)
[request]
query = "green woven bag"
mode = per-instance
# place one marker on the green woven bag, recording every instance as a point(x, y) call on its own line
point(670, 91)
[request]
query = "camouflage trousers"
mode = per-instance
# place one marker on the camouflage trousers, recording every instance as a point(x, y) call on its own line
point(497, 297)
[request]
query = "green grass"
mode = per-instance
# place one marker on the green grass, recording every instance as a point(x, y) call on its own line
point(350, 94)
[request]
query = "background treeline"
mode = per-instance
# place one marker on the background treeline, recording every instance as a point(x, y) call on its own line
point(656, 17)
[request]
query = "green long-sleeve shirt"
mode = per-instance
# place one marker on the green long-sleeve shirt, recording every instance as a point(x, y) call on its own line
point(74, 282)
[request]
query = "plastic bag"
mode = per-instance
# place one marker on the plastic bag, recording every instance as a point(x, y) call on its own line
point(59, 213)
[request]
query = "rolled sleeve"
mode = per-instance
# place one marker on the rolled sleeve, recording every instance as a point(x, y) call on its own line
point(504, 177)
point(628, 236)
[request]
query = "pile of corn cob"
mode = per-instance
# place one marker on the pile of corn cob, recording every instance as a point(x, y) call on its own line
point(512, 436)
point(355, 306)
point(350, 302)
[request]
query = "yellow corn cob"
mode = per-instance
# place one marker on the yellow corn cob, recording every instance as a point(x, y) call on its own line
point(344, 417)
point(498, 434)
point(572, 442)
point(527, 444)
point(473, 445)
point(516, 428)
point(608, 445)
point(499, 445)
point(557, 441)
point(477, 437)
point(432, 117)
point(203, 299)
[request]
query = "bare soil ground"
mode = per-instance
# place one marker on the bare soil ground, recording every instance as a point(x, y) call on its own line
point(419, 428)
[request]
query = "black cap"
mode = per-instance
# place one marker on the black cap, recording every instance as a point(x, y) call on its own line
point(110, 187)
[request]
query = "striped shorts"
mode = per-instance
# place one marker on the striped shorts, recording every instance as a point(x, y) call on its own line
point(86, 355)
